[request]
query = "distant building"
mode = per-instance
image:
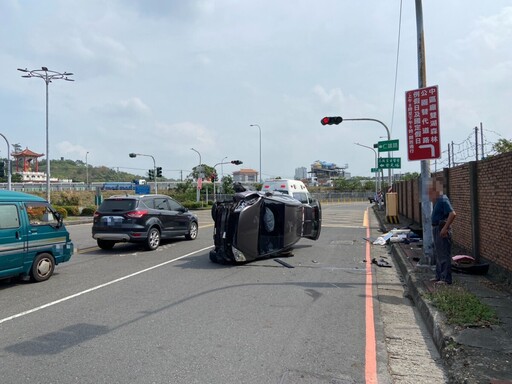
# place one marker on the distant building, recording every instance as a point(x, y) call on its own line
point(301, 173)
point(245, 176)
point(322, 172)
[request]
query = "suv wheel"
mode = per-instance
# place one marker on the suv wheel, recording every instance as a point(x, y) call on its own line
point(192, 231)
point(153, 240)
point(105, 244)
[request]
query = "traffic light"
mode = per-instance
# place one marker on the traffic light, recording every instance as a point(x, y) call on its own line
point(158, 171)
point(151, 174)
point(331, 120)
point(213, 177)
point(236, 162)
point(2, 169)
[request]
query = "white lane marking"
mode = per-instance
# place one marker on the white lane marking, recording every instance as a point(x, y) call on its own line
point(98, 287)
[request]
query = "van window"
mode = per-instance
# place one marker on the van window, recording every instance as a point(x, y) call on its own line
point(9, 217)
point(40, 213)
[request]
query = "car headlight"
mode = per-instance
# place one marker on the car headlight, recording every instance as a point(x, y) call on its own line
point(239, 256)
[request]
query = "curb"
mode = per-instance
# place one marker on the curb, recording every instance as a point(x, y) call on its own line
point(416, 290)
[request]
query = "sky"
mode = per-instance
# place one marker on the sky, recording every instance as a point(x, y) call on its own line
point(161, 77)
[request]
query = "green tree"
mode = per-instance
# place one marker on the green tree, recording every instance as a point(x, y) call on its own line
point(227, 185)
point(502, 146)
point(206, 170)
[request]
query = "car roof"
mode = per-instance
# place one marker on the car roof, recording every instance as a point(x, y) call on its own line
point(136, 197)
point(8, 196)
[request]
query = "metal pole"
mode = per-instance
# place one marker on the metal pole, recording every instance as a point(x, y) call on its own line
point(476, 143)
point(426, 205)
point(154, 174)
point(47, 146)
point(376, 165)
point(8, 163)
point(482, 140)
point(47, 75)
point(198, 175)
point(86, 171)
point(154, 167)
point(259, 128)
point(388, 134)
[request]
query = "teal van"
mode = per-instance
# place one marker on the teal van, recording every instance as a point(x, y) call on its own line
point(33, 238)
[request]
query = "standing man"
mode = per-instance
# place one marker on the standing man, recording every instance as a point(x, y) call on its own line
point(442, 218)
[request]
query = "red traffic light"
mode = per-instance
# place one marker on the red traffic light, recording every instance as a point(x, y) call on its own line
point(331, 120)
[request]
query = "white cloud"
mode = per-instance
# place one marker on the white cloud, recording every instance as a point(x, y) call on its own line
point(163, 77)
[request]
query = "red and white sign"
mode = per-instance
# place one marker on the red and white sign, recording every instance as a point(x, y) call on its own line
point(199, 183)
point(423, 134)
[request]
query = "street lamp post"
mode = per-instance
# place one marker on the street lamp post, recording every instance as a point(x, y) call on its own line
point(47, 75)
point(86, 171)
point(198, 174)
point(256, 125)
point(8, 163)
point(376, 166)
point(154, 166)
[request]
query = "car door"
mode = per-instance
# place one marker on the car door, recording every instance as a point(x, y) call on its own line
point(13, 238)
point(181, 219)
point(43, 227)
point(165, 215)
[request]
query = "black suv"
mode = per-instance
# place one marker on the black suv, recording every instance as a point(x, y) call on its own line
point(142, 219)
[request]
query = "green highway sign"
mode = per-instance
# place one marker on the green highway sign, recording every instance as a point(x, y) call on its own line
point(388, 146)
point(375, 170)
point(390, 162)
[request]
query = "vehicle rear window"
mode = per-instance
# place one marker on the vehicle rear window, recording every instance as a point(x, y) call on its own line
point(118, 205)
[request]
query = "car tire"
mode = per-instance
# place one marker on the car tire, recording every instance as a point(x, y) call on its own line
point(192, 231)
point(105, 244)
point(153, 239)
point(42, 267)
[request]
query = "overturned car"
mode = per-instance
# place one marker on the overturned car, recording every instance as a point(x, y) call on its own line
point(256, 225)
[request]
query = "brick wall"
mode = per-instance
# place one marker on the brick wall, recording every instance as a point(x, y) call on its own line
point(492, 234)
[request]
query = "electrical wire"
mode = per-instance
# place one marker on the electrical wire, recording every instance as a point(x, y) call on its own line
point(396, 65)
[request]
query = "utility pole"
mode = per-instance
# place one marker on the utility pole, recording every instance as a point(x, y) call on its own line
point(426, 206)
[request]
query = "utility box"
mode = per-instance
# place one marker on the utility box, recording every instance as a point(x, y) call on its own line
point(392, 204)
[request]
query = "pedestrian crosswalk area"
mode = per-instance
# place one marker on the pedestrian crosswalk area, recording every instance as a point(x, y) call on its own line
point(350, 216)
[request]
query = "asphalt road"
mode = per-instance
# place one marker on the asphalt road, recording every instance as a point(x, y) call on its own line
point(172, 316)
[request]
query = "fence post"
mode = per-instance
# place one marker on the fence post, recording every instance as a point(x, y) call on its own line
point(473, 201)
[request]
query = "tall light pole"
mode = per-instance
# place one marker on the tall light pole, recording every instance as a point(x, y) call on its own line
point(154, 166)
point(8, 163)
point(47, 75)
point(376, 166)
point(199, 170)
point(256, 125)
point(86, 171)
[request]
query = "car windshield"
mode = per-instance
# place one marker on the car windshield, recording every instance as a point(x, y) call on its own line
point(117, 205)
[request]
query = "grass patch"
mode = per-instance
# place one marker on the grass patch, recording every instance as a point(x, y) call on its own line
point(462, 308)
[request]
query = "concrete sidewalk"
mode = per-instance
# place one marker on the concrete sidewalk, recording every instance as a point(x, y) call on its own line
point(470, 354)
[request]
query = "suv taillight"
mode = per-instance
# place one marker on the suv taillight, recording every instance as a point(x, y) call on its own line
point(137, 214)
